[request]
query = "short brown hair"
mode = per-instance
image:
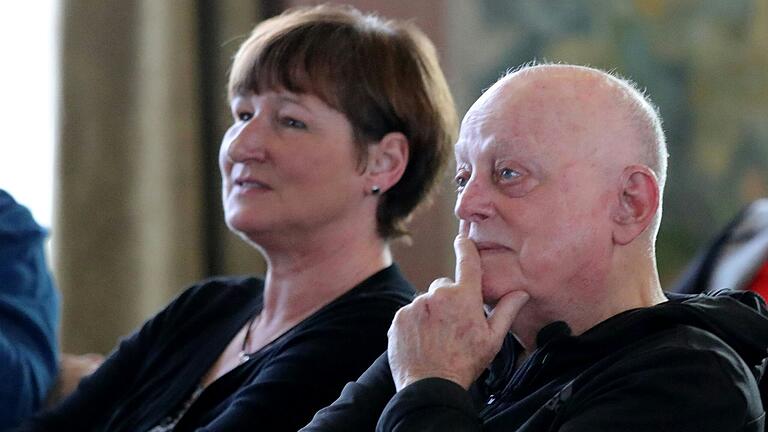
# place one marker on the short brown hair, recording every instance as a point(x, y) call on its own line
point(383, 75)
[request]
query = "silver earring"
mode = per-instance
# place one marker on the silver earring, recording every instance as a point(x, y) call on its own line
point(375, 190)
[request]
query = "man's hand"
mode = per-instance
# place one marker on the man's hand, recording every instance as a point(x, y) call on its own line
point(444, 333)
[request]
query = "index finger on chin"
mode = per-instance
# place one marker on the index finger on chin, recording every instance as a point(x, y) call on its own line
point(467, 258)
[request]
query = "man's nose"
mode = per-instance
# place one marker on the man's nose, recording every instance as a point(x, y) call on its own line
point(248, 143)
point(474, 202)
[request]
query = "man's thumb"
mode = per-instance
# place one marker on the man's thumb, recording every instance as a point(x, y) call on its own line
point(503, 315)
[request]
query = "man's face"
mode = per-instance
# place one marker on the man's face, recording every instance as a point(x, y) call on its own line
point(532, 183)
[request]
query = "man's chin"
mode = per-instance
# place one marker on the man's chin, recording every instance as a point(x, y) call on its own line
point(490, 297)
point(493, 290)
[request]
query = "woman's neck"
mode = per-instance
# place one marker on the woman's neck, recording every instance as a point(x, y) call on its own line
point(303, 279)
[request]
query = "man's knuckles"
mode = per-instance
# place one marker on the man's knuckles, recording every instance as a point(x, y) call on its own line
point(440, 283)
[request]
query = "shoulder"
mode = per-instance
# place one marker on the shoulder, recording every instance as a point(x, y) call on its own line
point(685, 352)
point(691, 350)
point(215, 295)
point(16, 221)
point(686, 376)
point(365, 312)
point(387, 290)
point(216, 287)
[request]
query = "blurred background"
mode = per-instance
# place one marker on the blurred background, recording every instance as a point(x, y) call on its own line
point(113, 112)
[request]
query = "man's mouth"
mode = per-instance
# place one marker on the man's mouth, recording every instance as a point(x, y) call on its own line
point(491, 247)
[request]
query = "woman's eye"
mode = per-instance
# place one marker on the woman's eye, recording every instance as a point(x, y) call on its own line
point(508, 174)
point(293, 123)
point(244, 116)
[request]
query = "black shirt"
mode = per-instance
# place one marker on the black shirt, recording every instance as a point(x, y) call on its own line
point(154, 371)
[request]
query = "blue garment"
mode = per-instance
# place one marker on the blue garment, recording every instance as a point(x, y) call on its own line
point(29, 315)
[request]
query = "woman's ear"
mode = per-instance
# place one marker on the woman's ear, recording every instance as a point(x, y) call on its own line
point(638, 202)
point(387, 160)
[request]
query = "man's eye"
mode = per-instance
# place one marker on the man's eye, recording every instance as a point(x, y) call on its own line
point(244, 116)
point(460, 180)
point(508, 174)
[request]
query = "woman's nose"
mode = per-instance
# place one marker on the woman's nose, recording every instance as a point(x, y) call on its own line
point(474, 202)
point(247, 142)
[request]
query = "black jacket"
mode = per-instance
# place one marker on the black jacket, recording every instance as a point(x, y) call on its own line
point(690, 364)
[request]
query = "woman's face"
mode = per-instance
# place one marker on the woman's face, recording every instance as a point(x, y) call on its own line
point(289, 167)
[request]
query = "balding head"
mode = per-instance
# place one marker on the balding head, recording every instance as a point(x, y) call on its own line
point(622, 96)
point(621, 121)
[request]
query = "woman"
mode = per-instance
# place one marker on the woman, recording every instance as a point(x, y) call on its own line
point(341, 123)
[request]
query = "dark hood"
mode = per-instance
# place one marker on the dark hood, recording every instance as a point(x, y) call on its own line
point(739, 318)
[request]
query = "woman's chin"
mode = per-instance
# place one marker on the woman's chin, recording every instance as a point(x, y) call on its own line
point(244, 227)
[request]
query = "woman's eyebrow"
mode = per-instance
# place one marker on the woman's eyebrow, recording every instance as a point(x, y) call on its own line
point(294, 99)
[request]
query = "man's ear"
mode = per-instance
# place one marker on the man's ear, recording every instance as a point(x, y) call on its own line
point(387, 160)
point(637, 205)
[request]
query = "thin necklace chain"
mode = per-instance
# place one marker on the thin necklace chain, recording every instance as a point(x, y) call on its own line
point(244, 355)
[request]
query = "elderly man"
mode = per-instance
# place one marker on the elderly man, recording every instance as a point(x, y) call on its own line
point(556, 320)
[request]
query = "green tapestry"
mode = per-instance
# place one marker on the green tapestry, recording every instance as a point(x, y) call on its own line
point(704, 63)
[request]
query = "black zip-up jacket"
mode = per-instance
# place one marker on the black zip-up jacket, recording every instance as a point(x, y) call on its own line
point(690, 364)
